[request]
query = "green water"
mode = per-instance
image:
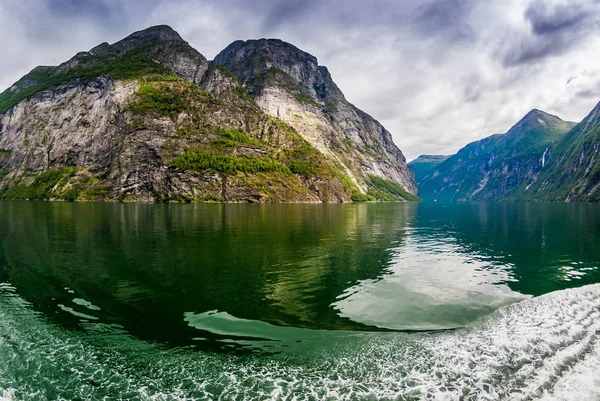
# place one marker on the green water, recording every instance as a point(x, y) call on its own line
point(244, 289)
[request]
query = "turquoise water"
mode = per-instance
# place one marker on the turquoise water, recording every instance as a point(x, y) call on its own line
point(367, 301)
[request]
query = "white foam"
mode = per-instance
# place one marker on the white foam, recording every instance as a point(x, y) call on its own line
point(543, 348)
point(75, 313)
point(85, 303)
point(581, 383)
point(6, 395)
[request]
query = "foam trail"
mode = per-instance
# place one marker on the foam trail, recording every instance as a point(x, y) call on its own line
point(6, 395)
point(543, 348)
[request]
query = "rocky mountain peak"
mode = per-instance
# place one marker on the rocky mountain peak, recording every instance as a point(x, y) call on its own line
point(537, 119)
point(263, 54)
point(332, 149)
point(289, 84)
point(145, 36)
point(571, 174)
point(536, 112)
point(253, 61)
point(158, 33)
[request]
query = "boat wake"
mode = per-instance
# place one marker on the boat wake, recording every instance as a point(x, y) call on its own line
point(542, 348)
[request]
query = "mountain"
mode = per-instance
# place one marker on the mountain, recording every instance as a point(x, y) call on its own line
point(572, 172)
point(496, 166)
point(149, 118)
point(289, 84)
point(424, 163)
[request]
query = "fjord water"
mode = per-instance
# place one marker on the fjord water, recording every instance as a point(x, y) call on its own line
point(374, 301)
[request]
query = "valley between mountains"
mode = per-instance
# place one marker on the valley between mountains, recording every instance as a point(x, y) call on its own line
point(541, 158)
point(150, 119)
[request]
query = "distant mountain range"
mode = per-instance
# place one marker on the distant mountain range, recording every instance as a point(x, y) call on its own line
point(540, 158)
point(149, 118)
point(424, 163)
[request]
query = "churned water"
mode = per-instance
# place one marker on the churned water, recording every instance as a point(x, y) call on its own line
point(305, 302)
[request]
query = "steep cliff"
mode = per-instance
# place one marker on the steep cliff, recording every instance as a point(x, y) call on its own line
point(289, 84)
point(572, 172)
point(149, 119)
point(496, 167)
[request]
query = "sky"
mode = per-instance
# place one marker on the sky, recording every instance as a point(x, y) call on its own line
point(437, 74)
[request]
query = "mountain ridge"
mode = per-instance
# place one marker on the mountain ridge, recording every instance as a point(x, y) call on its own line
point(289, 84)
point(149, 118)
point(493, 167)
point(572, 172)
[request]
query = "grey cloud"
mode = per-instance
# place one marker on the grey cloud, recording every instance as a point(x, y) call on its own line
point(548, 20)
point(436, 73)
point(527, 51)
point(99, 9)
point(472, 93)
point(592, 93)
point(285, 11)
point(556, 29)
point(445, 17)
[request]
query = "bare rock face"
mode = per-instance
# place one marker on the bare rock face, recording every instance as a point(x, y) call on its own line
point(149, 119)
point(158, 33)
point(288, 83)
point(71, 125)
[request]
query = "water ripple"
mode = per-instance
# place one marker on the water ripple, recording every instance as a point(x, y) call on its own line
point(542, 348)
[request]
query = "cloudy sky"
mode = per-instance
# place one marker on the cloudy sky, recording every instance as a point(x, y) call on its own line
point(437, 73)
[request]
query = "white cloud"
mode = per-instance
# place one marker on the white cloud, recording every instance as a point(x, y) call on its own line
point(437, 74)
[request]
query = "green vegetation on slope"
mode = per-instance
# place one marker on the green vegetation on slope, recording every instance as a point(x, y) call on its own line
point(169, 96)
point(212, 145)
point(358, 196)
point(304, 159)
point(382, 190)
point(235, 137)
point(46, 185)
point(133, 65)
point(162, 99)
point(424, 164)
point(202, 160)
point(385, 190)
point(573, 170)
point(496, 167)
point(66, 183)
point(301, 157)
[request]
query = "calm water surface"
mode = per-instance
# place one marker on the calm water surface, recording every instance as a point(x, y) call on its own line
point(368, 301)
